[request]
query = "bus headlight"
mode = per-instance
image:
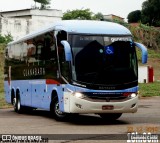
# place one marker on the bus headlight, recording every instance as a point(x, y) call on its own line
point(78, 95)
point(133, 95)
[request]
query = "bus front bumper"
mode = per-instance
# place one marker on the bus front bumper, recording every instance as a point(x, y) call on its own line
point(80, 105)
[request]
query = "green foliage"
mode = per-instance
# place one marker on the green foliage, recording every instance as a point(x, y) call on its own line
point(149, 36)
point(134, 16)
point(2, 39)
point(139, 55)
point(3, 104)
point(149, 89)
point(98, 16)
point(151, 54)
point(151, 12)
point(121, 22)
point(43, 3)
point(82, 14)
point(2, 47)
point(6, 39)
point(85, 14)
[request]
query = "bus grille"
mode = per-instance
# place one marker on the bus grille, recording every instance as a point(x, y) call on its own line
point(107, 98)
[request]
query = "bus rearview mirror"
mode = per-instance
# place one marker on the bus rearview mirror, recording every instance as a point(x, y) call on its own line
point(67, 50)
point(144, 52)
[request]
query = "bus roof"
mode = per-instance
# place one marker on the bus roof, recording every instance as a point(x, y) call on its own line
point(81, 27)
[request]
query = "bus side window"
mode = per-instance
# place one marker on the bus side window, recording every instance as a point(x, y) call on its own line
point(46, 50)
point(64, 65)
point(45, 47)
point(40, 49)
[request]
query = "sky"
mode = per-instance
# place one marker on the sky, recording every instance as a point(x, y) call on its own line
point(117, 7)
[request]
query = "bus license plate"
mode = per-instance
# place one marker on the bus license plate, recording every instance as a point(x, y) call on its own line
point(107, 107)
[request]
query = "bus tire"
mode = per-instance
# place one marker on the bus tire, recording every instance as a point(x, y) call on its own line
point(17, 105)
point(14, 102)
point(57, 114)
point(110, 116)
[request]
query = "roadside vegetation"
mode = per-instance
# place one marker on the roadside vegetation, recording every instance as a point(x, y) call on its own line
point(152, 89)
point(3, 41)
point(149, 89)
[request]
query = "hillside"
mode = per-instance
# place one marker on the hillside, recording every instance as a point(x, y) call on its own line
point(148, 35)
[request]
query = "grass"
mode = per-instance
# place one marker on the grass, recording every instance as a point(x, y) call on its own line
point(2, 47)
point(3, 103)
point(149, 89)
point(153, 53)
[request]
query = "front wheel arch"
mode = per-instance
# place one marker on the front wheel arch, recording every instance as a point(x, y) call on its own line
point(54, 107)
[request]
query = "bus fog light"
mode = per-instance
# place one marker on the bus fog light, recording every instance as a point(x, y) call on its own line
point(133, 105)
point(78, 105)
point(78, 95)
point(133, 95)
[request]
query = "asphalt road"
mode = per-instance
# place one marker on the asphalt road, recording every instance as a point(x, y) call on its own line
point(88, 127)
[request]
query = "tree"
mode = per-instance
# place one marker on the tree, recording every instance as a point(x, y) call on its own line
point(98, 16)
point(134, 16)
point(43, 3)
point(151, 12)
point(83, 14)
point(78, 14)
point(6, 38)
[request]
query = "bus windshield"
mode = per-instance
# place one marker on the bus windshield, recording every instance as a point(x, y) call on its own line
point(103, 60)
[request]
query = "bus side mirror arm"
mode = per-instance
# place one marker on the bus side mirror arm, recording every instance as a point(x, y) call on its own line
point(67, 50)
point(144, 52)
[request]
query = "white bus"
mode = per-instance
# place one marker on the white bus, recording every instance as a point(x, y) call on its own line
point(74, 66)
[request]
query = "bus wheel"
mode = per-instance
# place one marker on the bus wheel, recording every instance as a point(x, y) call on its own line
point(17, 105)
point(58, 115)
point(110, 116)
point(14, 104)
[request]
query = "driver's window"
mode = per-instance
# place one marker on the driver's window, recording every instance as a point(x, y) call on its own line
point(64, 65)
